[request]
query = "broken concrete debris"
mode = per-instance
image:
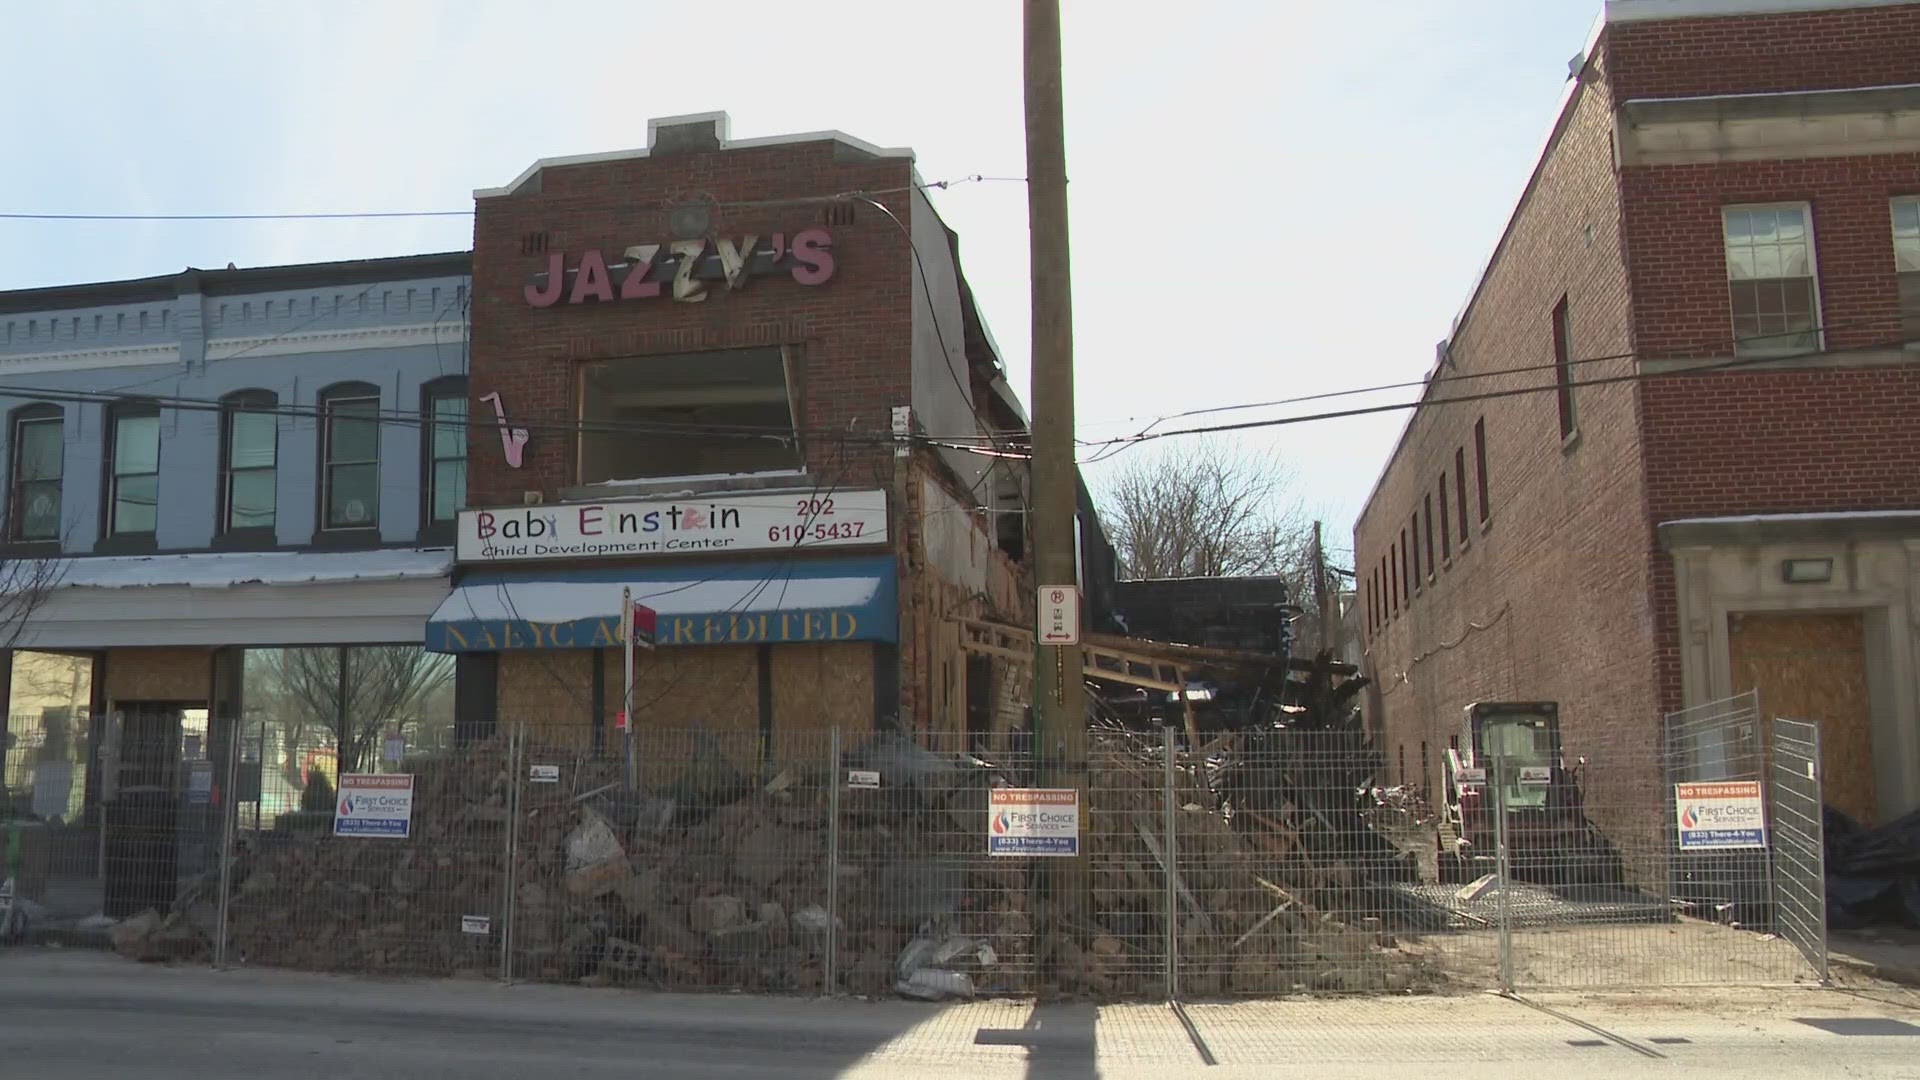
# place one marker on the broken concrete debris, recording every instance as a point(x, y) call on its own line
point(714, 880)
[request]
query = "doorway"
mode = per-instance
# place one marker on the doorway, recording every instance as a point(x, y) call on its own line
point(159, 742)
point(1813, 666)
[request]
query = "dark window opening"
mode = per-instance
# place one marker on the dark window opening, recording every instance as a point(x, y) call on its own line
point(249, 447)
point(1413, 550)
point(1428, 499)
point(1446, 527)
point(133, 477)
point(445, 450)
point(1460, 487)
point(39, 458)
point(694, 414)
point(350, 470)
point(1480, 459)
point(1563, 364)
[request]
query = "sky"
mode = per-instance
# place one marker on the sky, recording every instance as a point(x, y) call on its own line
point(1315, 185)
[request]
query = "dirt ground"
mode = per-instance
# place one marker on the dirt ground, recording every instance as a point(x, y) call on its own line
point(1680, 953)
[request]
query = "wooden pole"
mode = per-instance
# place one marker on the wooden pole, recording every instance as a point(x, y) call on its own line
point(1059, 705)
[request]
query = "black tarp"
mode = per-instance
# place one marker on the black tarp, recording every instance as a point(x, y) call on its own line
point(1873, 875)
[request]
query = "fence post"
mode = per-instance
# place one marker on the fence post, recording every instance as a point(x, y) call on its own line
point(515, 737)
point(1503, 865)
point(828, 984)
point(1819, 889)
point(229, 816)
point(1171, 898)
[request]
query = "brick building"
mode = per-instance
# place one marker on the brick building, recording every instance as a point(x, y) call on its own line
point(695, 357)
point(1714, 276)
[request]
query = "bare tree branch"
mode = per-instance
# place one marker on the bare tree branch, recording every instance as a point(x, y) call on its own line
point(1208, 509)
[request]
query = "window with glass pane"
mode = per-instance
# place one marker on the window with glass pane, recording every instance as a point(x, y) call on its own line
point(1770, 275)
point(134, 502)
point(1906, 264)
point(447, 461)
point(353, 463)
point(39, 455)
point(252, 456)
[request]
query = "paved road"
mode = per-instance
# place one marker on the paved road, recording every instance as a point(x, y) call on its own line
point(66, 1016)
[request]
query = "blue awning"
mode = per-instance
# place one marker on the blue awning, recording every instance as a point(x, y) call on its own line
point(751, 603)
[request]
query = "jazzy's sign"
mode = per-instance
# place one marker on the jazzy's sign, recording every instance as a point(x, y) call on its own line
point(682, 269)
point(718, 523)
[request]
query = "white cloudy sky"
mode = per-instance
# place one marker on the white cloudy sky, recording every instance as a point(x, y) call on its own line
point(1313, 185)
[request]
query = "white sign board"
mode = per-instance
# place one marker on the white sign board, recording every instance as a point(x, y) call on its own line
point(759, 521)
point(374, 805)
point(863, 778)
point(476, 924)
point(1470, 779)
point(1059, 615)
point(1033, 821)
point(1728, 814)
point(544, 774)
point(1536, 776)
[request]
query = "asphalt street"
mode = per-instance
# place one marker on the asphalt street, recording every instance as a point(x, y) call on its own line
point(68, 1015)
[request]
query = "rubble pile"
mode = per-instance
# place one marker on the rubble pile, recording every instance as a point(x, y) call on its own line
point(708, 878)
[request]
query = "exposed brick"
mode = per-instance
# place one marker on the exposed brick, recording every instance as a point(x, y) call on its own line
point(1569, 578)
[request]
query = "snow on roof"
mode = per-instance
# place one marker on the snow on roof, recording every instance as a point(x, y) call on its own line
point(219, 570)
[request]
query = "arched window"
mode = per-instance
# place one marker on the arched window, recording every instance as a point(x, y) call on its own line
point(350, 457)
point(443, 450)
point(249, 460)
point(39, 457)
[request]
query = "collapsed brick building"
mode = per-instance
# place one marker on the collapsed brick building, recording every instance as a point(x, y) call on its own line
point(692, 364)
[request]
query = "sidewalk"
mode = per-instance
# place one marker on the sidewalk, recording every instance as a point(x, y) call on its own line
point(72, 1015)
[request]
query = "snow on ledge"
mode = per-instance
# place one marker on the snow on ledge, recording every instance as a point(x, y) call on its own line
point(223, 569)
point(1764, 519)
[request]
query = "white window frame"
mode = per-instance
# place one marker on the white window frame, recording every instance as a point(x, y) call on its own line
point(1894, 204)
point(1813, 273)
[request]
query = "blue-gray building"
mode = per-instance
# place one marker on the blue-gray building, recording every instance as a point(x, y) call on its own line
point(230, 495)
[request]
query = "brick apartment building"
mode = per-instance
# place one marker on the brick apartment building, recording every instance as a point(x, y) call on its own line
point(688, 363)
point(1714, 274)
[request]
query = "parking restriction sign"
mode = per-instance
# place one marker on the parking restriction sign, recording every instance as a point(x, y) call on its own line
point(1059, 615)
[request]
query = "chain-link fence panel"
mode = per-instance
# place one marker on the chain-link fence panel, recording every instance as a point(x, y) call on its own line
point(371, 859)
point(708, 872)
point(1799, 841)
point(927, 909)
point(1295, 875)
point(1642, 872)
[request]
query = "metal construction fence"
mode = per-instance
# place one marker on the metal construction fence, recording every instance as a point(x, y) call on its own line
point(1256, 863)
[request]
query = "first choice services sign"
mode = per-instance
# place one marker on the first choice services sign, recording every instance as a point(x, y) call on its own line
point(1033, 821)
point(374, 805)
point(769, 521)
point(1729, 814)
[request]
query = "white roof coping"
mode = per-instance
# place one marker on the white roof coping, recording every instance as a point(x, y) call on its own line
point(227, 569)
point(1620, 11)
point(723, 127)
point(1835, 516)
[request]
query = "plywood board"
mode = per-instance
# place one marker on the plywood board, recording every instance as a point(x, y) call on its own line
point(159, 674)
point(1814, 667)
point(817, 688)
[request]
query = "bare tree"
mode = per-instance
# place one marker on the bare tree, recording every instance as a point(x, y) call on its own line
point(1208, 509)
point(355, 695)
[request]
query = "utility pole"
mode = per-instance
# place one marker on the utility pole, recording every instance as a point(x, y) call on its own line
point(1322, 596)
point(1059, 696)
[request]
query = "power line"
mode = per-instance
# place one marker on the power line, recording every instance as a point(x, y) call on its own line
point(1554, 387)
point(1425, 382)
